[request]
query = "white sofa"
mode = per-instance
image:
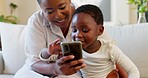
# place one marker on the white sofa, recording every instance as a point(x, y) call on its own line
point(132, 39)
point(12, 56)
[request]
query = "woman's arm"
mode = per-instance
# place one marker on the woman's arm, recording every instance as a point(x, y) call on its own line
point(36, 40)
point(60, 67)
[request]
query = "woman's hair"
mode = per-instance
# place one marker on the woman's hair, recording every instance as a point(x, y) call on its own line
point(39, 1)
point(92, 10)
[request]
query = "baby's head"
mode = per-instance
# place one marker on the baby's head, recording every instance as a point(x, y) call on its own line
point(92, 10)
point(87, 25)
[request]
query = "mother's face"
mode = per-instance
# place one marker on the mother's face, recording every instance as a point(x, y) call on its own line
point(58, 12)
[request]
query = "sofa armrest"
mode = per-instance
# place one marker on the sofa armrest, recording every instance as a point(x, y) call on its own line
point(1, 63)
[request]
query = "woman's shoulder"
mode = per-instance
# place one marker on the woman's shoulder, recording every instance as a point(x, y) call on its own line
point(37, 15)
point(38, 18)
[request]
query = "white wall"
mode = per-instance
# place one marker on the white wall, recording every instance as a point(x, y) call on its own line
point(133, 14)
point(121, 12)
point(2, 7)
point(5, 8)
point(26, 9)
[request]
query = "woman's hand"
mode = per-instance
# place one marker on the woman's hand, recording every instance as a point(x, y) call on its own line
point(122, 72)
point(118, 73)
point(68, 68)
point(64, 64)
point(113, 74)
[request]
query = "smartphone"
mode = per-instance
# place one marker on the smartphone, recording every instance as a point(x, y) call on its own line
point(72, 48)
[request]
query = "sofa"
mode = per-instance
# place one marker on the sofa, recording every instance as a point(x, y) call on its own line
point(12, 56)
point(132, 39)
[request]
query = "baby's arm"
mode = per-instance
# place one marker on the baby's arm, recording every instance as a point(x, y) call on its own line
point(126, 63)
point(51, 53)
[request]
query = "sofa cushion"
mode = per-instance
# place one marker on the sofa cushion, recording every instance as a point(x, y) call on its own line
point(6, 76)
point(12, 46)
point(1, 63)
point(133, 40)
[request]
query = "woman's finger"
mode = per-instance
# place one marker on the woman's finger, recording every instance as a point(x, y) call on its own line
point(64, 59)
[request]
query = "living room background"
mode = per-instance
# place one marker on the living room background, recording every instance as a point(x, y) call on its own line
point(116, 12)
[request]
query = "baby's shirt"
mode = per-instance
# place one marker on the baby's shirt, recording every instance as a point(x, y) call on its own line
point(99, 64)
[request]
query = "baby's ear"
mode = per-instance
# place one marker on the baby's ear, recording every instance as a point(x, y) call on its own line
point(100, 30)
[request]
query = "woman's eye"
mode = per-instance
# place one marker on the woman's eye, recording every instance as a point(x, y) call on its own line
point(74, 30)
point(48, 11)
point(62, 7)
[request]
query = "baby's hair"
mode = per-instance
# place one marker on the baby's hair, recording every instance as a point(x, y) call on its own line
point(92, 10)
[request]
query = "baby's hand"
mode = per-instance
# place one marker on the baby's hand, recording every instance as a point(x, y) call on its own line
point(52, 53)
point(54, 48)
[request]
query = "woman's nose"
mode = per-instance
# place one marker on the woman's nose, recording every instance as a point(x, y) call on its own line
point(58, 15)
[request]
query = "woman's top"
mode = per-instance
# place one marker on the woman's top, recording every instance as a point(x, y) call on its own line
point(99, 64)
point(39, 34)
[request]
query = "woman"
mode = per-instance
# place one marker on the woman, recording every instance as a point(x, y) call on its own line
point(44, 27)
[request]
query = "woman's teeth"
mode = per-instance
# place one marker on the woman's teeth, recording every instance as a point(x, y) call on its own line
point(61, 21)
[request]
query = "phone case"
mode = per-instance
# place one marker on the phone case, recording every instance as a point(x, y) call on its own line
point(72, 48)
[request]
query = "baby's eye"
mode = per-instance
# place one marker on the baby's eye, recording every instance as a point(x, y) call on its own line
point(85, 30)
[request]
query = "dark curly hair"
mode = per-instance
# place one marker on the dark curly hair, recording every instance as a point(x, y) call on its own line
point(39, 1)
point(92, 10)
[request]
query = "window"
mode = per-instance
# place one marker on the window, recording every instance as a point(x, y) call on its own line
point(106, 9)
point(105, 6)
point(116, 12)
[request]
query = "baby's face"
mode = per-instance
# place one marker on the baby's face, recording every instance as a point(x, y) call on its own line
point(85, 29)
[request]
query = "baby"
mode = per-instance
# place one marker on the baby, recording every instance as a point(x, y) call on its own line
point(100, 55)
